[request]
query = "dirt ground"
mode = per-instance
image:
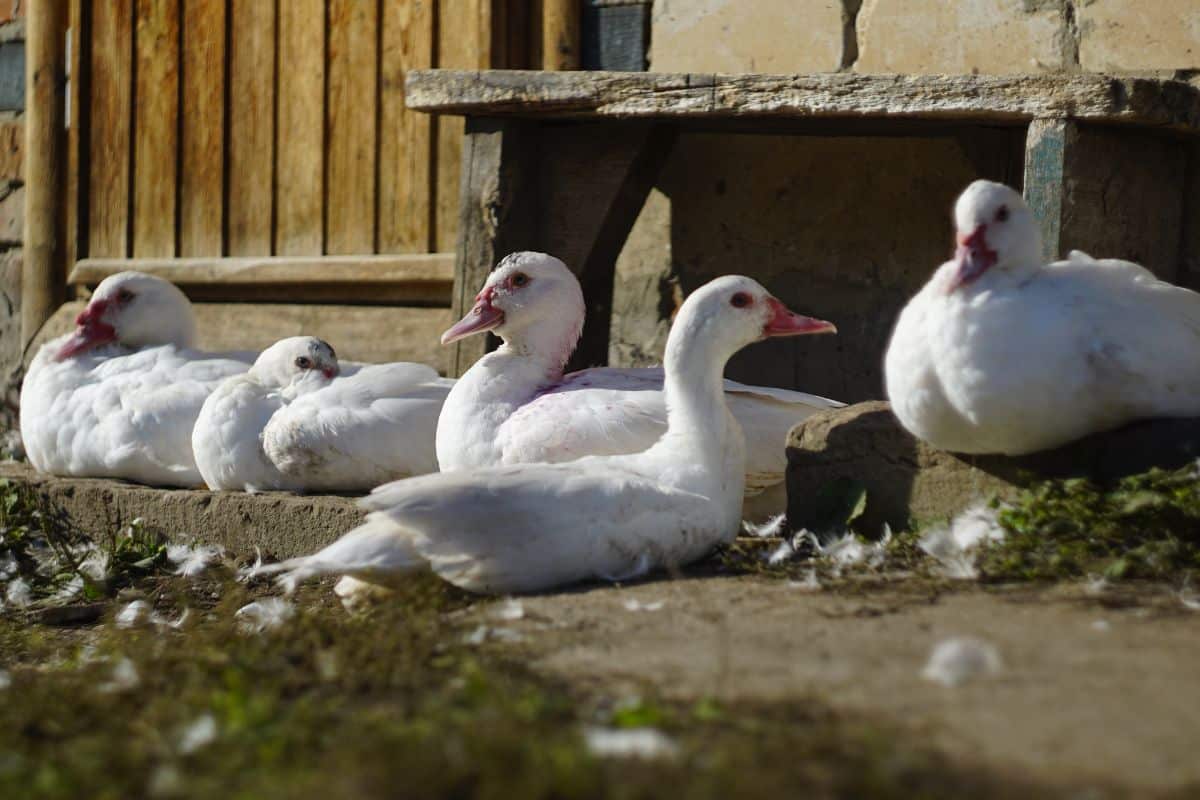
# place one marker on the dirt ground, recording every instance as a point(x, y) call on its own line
point(1096, 693)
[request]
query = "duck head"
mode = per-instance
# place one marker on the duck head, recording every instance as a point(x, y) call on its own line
point(996, 234)
point(133, 309)
point(295, 362)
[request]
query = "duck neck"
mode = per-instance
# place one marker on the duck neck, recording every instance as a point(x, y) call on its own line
point(694, 387)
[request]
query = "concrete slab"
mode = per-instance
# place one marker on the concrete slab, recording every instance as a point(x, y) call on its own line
point(281, 525)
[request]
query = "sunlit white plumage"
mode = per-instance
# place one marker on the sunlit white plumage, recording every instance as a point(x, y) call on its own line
point(299, 421)
point(516, 406)
point(527, 527)
point(1002, 353)
point(118, 397)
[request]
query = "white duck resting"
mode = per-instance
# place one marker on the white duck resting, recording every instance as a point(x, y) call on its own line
point(118, 397)
point(298, 421)
point(515, 406)
point(1002, 353)
point(534, 526)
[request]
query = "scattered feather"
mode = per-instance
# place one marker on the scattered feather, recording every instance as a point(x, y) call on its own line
point(264, 615)
point(484, 633)
point(1189, 597)
point(198, 734)
point(1101, 625)
point(8, 566)
point(191, 561)
point(5, 679)
point(784, 552)
point(955, 545)
point(775, 526)
point(637, 605)
point(955, 661)
point(645, 743)
point(1096, 585)
point(252, 571)
point(18, 593)
point(810, 583)
point(69, 590)
point(510, 610)
point(135, 613)
point(124, 677)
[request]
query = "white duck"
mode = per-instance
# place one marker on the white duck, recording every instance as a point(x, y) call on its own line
point(118, 397)
point(535, 526)
point(298, 421)
point(515, 406)
point(1002, 353)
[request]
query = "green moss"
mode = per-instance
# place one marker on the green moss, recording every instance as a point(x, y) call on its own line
point(1145, 526)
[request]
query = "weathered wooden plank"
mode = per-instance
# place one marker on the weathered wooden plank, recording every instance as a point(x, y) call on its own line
point(1047, 145)
point(111, 112)
point(560, 34)
point(202, 161)
point(464, 42)
point(351, 109)
point(1013, 99)
point(73, 209)
point(251, 131)
point(498, 213)
point(156, 127)
point(45, 166)
point(299, 191)
point(594, 179)
point(353, 330)
point(432, 268)
point(405, 146)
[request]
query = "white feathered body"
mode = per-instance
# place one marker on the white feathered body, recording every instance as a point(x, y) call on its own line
point(1081, 346)
point(507, 411)
point(119, 413)
point(369, 425)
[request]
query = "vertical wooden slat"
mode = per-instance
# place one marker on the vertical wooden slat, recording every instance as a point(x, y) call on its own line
point(203, 148)
point(405, 149)
point(560, 34)
point(301, 161)
point(351, 106)
point(464, 42)
point(156, 127)
point(73, 208)
point(1047, 146)
point(42, 277)
point(111, 112)
point(251, 132)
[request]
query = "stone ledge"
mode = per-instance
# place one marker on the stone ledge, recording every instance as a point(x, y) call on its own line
point(281, 525)
point(907, 480)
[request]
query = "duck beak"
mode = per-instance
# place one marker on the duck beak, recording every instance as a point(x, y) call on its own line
point(482, 317)
point(90, 331)
point(973, 257)
point(784, 322)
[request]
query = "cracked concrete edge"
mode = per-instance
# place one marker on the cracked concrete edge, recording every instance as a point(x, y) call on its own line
point(279, 525)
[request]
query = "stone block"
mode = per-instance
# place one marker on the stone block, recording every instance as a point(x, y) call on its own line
point(281, 525)
point(986, 36)
point(908, 481)
point(12, 148)
point(746, 36)
point(1119, 36)
point(12, 216)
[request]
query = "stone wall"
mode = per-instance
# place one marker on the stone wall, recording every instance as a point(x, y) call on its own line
point(848, 228)
point(12, 204)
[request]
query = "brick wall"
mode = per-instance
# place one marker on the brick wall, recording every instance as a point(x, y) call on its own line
point(12, 203)
point(926, 36)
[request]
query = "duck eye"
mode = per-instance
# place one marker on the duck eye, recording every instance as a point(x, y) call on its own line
point(520, 279)
point(304, 362)
point(124, 296)
point(741, 300)
point(1002, 214)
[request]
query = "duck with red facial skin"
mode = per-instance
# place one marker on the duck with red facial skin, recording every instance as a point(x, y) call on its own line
point(301, 421)
point(118, 396)
point(515, 405)
point(530, 527)
point(1003, 353)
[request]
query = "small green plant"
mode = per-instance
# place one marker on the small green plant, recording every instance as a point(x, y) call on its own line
point(1145, 526)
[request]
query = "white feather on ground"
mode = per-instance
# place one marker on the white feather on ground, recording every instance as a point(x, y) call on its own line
point(264, 615)
point(644, 743)
point(956, 661)
point(956, 546)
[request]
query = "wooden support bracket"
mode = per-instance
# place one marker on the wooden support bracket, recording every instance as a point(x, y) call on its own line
point(1047, 148)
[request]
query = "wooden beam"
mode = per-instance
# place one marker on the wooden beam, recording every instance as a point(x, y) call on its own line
point(497, 212)
point(1047, 145)
point(42, 287)
point(1007, 99)
point(425, 278)
point(560, 34)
